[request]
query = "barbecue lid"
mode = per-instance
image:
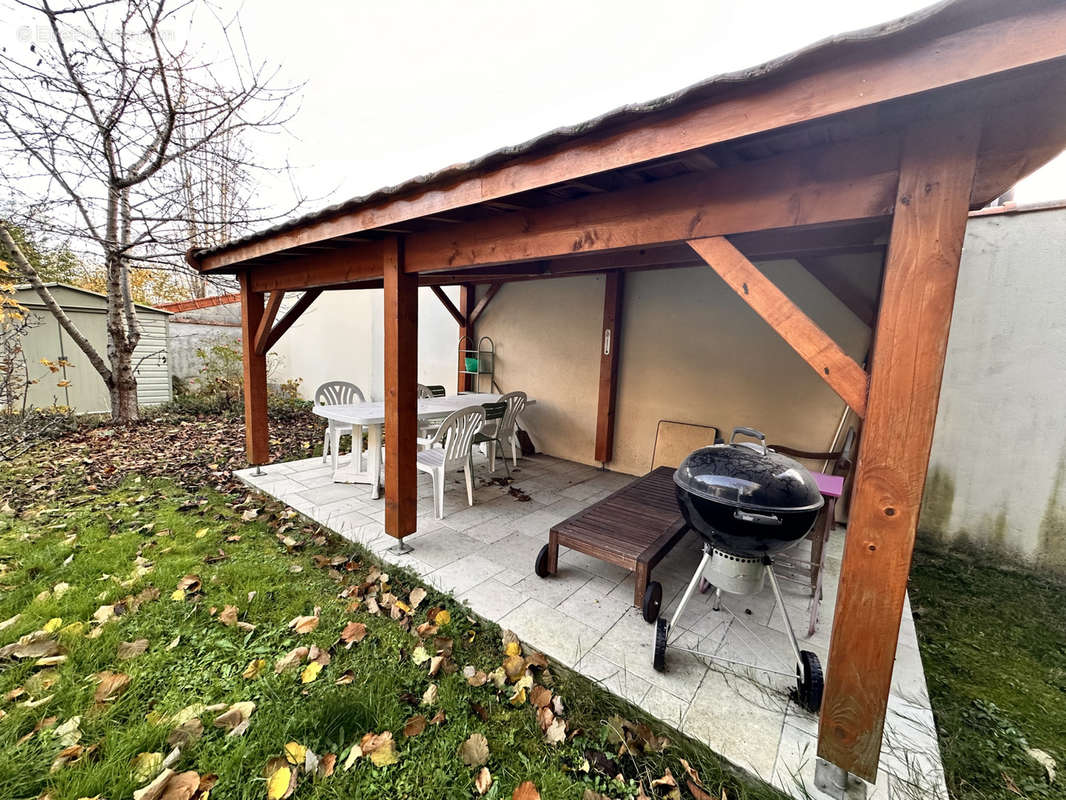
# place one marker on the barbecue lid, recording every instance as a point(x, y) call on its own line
point(749, 475)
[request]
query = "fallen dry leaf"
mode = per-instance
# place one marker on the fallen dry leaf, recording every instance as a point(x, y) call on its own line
point(414, 726)
point(417, 595)
point(127, 650)
point(346, 678)
point(327, 764)
point(228, 617)
point(475, 751)
point(380, 747)
point(430, 696)
point(254, 669)
point(187, 733)
point(291, 659)
point(539, 696)
point(110, 685)
point(295, 753)
point(235, 719)
point(145, 766)
point(304, 624)
point(281, 779)
point(526, 791)
point(311, 672)
point(556, 731)
point(545, 717)
point(475, 677)
point(483, 781)
point(353, 633)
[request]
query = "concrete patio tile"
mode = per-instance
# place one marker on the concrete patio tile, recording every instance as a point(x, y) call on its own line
point(278, 485)
point(664, 705)
point(492, 599)
point(307, 464)
point(463, 574)
point(593, 608)
point(596, 566)
point(490, 531)
point(615, 679)
point(443, 546)
point(328, 494)
point(764, 648)
point(513, 551)
point(468, 516)
point(555, 588)
point(563, 638)
point(600, 587)
point(357, 502)
point(739, 718)
point(629, 644)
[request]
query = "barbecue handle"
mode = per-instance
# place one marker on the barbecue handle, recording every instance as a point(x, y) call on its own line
point(757, 519)
point(754, 434)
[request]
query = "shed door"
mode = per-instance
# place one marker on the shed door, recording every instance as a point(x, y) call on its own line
point(87, 393)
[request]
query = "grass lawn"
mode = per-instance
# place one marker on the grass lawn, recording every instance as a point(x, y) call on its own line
point(158, 604)
point(993, 644)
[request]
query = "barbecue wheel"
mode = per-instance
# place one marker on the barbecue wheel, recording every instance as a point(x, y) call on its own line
point(809, 684)
point(541, 567)
point(662, 629)
point(653, 599)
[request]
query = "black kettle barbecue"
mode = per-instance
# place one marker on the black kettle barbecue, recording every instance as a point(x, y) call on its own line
point(747, 503)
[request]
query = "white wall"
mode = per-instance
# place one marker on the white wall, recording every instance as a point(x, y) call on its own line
point(998, 465)
point(341, 337)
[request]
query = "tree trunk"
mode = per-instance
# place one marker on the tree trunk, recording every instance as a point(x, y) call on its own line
point(123, 389)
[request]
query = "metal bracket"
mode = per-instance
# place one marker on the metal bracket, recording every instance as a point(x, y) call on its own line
point(835, 782)
point(401, 548)
point(258, 471)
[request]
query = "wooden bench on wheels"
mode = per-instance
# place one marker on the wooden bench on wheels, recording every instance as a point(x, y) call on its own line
point(633, 528)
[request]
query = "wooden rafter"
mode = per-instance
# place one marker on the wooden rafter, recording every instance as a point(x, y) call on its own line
point(294, 313)
point(908, 361)
point(814, 345)
point(849, 181)
point(449, 306)
point(483, 303)
point(262, 334)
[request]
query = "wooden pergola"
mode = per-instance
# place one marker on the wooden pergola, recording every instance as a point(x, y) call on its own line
point(878, 141)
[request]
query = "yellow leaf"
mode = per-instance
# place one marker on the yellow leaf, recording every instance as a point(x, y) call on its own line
point(54, 624)
point(385, 754)
point(295, 753)
point(519, 697)
point(200, 534)
point(310, 672)
point(63, 383)
point(254, 669)
point(177, 594)
point(443, 617)
point(73, 629)
point(512, 649)
point(278, 784)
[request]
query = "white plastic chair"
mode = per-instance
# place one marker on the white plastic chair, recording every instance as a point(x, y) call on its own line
point(338, 393)
point(427, 427)
point(454, 435)
point(506, 427)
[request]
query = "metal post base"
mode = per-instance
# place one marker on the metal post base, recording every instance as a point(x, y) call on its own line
point(835, 782)
point(401, 548)
point(258, 471)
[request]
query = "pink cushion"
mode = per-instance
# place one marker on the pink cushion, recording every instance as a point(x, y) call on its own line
point(829, 485)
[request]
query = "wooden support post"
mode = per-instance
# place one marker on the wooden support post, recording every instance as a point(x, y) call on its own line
point(256, 436)
point(401, 393)
point(937, 170)
point(610, 340)
point(814, 345)
point(467, 296)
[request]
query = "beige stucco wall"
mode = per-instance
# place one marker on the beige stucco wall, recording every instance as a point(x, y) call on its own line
point(691, 351)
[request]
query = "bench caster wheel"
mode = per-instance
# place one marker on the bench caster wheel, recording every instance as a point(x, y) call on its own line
point(541, 566)
point(662, 630)
point(653, 600)
point(809, 682)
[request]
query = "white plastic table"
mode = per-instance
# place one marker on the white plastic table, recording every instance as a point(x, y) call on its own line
point(372, 417)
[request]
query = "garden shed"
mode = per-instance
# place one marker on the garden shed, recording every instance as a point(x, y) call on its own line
point(86, 392)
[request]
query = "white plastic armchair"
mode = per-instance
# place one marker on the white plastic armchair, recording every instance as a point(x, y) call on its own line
point(454, 436)
point(506, 430)
point(337, 393)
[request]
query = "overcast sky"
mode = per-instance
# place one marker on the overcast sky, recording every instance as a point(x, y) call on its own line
point(398, 88)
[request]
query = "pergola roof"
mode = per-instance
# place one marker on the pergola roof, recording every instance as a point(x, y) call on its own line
point(841, 89)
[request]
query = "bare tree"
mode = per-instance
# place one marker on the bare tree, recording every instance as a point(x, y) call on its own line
point(130, 140)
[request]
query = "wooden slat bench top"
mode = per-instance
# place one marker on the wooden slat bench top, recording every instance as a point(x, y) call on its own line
point(630, 527)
